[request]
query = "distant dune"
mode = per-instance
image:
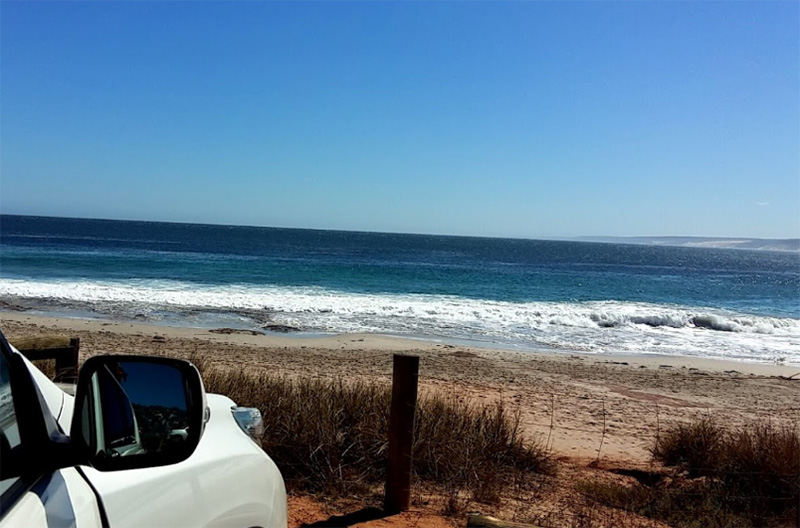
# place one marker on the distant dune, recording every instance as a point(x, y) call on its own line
point(758, 244)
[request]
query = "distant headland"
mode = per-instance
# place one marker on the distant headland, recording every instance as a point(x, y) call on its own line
point(757, 244)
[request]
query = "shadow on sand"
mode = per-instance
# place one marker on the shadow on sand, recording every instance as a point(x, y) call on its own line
point(343, 521)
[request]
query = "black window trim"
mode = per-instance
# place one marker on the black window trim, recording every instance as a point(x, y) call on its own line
point(16, 491)
point(25, 482)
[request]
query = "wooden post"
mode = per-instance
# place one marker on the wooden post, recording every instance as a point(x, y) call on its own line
point(405, 374)
point(67, 362)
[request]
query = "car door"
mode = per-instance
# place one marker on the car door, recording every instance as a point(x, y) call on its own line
point(61, 498)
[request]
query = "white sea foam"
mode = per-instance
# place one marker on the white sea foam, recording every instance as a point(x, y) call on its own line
point(600, 326)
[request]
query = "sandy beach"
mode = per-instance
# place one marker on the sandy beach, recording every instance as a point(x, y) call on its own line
point(570, 392)
point(581, 405)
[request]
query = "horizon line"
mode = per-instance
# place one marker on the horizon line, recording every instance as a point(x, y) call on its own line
point(574, 238)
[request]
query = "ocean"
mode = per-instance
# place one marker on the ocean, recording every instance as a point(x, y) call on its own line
point(502, 293)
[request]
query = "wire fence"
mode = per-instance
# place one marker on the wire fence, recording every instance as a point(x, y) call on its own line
point(760, 505)
point(553, 422)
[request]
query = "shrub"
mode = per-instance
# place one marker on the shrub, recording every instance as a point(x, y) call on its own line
point(695, 446)
point(330, 436)
point(759, 470)
point(686, 505)
point(478, 448)
point(748, 477)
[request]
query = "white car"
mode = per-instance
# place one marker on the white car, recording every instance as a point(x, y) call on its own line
point(140, 444)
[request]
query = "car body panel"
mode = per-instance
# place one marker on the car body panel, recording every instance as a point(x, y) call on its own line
point(227, 468)
point(27, 511)
point(60, 499)
point(53, 396)
point(82, 497)
point(227, 481)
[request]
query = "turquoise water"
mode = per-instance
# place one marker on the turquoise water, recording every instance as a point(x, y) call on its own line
point(525, 294)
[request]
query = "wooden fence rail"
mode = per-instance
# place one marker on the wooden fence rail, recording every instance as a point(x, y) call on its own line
point(63, 349)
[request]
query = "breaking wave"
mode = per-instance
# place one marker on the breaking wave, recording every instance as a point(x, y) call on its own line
point(596, 326)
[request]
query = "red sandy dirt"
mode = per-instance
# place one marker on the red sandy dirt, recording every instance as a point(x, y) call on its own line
point(305, 511)
point(584, 408)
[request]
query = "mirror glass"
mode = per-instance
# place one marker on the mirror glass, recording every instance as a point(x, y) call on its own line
point(136, 408)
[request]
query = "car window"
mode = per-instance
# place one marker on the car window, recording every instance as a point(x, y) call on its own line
point(119, 422)
point(9, 429)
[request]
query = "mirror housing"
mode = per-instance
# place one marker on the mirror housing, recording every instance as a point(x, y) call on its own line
point(137, 411)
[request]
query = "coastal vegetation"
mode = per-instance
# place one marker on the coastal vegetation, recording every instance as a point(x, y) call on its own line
point(328, 437)
point(326, 413)
point(716, 477)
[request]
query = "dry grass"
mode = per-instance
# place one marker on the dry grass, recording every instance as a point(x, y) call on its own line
point(329, 437)
point(477, 448)
point(721, 477)
point(687, 505)
point(47, 366)
point(41, 342)
point(325, 436)
point(694, 446)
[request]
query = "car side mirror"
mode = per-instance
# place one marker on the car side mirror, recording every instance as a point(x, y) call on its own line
point(137, 411)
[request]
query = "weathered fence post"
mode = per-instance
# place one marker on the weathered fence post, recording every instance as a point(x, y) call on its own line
point(405, 374)
point(67, 362)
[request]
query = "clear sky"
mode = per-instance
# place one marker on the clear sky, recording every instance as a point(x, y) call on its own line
point(524, 119)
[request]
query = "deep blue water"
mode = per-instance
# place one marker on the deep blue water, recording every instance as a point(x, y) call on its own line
point(523, 293)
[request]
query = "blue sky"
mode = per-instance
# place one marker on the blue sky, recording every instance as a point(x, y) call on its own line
point(523, 119)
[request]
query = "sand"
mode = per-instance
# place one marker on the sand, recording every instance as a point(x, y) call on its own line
point(583, 406)
point(575, 393)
